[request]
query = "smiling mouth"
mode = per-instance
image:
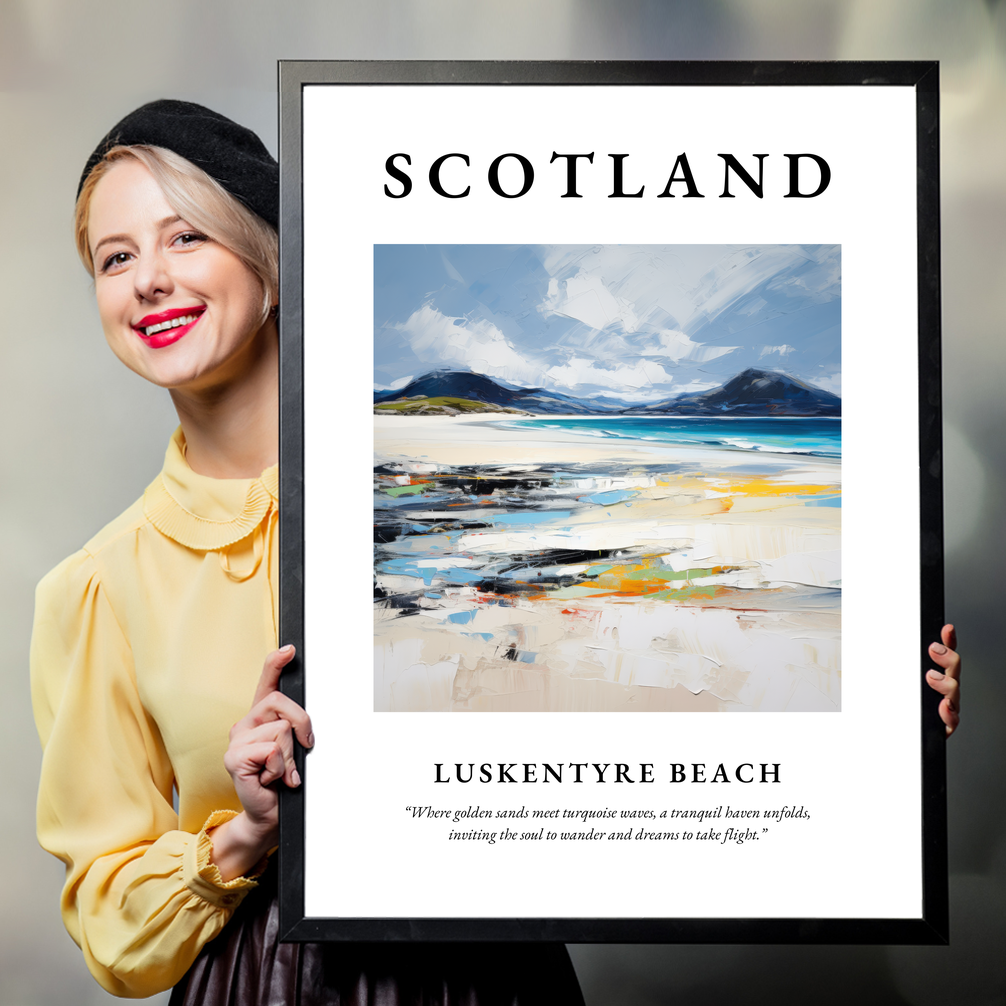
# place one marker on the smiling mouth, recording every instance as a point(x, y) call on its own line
point(167, 321)
point(185, 319)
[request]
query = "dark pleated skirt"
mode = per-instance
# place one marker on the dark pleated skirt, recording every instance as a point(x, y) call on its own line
point(246, 965)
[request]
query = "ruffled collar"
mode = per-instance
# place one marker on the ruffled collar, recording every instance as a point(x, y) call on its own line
point(203, 513)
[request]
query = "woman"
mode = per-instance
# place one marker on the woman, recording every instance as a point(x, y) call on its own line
point(148, 643)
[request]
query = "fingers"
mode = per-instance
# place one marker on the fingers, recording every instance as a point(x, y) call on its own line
point(950, 716)
point(271, 671)
point(947, 681)
point(949, 687)
point(948, 660)
point(265, 751)
point(261, 749)
point(270, 703)
point(262, 761)
point(277, 706)
point(945, 655)
point(949, 712)
point(949, 636)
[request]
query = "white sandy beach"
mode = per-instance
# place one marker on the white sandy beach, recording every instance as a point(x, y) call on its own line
point(720, 590)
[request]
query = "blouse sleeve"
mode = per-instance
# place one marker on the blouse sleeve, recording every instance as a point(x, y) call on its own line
point(141, 898)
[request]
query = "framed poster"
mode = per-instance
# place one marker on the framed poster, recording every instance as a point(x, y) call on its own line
point(622, 364)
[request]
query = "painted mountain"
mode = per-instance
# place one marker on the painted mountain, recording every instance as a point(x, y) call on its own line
point(464, 385)
point(753, 392)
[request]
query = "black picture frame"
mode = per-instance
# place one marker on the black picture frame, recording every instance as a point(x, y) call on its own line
point(932, 925)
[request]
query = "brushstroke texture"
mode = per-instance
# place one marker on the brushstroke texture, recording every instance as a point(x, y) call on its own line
point(607, 478)
point(695, 569)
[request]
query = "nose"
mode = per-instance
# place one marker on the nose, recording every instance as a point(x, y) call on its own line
point(152, 276)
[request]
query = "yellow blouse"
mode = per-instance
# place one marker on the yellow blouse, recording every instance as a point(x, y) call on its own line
point(147, 647)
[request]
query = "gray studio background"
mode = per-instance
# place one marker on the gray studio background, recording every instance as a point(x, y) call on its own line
point(82, 436)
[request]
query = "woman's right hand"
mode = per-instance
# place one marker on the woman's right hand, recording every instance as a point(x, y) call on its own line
point(260, 753)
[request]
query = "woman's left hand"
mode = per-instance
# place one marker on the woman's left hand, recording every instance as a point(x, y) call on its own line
point(948, 681)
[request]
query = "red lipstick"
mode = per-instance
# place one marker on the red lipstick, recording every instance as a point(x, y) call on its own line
point(166, 327)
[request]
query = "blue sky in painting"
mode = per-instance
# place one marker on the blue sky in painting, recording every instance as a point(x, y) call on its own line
point(632, 322)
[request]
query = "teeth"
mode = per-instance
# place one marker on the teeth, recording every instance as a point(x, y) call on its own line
point(174, 323)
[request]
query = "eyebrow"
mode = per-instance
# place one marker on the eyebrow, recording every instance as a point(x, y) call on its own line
point(111, 238)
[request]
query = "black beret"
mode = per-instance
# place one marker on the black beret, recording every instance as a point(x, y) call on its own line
point(230, 154)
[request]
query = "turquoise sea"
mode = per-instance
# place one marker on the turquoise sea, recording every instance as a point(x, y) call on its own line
point(778, 435)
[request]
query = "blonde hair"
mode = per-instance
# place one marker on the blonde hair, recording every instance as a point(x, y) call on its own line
point(199, 200)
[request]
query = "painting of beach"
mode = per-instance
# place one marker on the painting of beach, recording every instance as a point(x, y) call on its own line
point(607, 478)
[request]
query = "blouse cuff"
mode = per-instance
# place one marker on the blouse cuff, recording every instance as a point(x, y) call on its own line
point(202, 876)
